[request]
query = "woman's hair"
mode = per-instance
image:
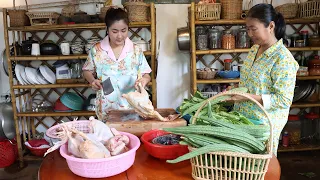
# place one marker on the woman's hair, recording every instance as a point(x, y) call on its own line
point(265, 13)
point(115, 14)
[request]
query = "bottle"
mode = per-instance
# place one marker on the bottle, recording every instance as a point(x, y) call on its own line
point(285, 139)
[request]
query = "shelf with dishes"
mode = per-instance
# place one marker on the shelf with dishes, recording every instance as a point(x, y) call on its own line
point(243, 22)
point(84, 26)
point(56, 57)
point(245, 50)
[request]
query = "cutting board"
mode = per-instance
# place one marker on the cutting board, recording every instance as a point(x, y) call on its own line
point(131, 122)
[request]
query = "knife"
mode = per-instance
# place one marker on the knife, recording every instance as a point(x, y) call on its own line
point(107, 86)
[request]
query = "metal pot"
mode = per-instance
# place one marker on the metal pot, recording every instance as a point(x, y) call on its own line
point(7, 129)
point(183, 38)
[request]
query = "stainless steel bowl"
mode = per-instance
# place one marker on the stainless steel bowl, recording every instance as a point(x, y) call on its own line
point(183, 38)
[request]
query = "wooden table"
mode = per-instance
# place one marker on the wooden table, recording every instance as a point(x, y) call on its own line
point(145, 167)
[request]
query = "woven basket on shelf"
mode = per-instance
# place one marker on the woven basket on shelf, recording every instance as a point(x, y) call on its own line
point(254, 166)
point(137, 11)
point(202, 74)
point(310, 9)
point(289, 10)
point(18, 17)
point(231, 9)
point(43, 18)
point(210, 11)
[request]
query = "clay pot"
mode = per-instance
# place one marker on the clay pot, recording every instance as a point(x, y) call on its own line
point(274, 169)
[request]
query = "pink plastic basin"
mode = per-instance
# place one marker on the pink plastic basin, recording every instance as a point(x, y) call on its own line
point(106, 167)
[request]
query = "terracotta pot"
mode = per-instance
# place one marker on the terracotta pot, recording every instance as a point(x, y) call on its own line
point(274, 169)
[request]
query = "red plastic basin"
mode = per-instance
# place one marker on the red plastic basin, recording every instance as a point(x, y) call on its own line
point(162, 151)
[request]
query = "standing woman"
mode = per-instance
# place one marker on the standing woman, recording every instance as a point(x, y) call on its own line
point(269, 71)
point(117, 57)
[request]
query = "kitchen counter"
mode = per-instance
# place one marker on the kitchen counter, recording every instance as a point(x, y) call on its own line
point(145, 167)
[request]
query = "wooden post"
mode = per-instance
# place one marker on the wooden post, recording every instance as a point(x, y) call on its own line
point(153, 54)
point(6, 39)
point(193, 64)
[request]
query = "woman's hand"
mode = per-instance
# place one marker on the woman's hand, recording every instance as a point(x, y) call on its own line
point(144, 81)
point(96, 84)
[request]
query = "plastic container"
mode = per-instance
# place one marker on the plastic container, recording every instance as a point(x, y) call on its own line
point(293, 128)
point(305, 37)
point(72, 101)
point(227, 64)
point(162, 151)
point(228, 40)
point(105, 167)
point(285, 139)
point(8, 153)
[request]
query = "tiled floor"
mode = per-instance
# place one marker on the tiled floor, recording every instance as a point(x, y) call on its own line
point(292, 166)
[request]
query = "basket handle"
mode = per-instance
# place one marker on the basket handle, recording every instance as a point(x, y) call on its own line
point(14, 4)
point(246, 96)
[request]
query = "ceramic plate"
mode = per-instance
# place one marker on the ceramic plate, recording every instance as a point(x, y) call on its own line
point(17, 70)
point(32, 75)
point(40, 78)
point(48, 74)
point(24, 76)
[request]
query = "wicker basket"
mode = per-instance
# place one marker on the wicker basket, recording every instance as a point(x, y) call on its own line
point(18, 17)
point(310, 9)
point(289, 10)
point(231, 9)
point(43, 18)
point(208, 11)
point(137, 11)
point(230, 164)
point(202, 74)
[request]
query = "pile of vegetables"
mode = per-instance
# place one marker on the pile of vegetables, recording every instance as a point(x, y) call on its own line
point(216, 129)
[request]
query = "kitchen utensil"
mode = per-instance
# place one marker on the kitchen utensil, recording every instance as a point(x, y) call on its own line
point(48, 74)
point(301, 89)
point(72, 101)
point(24, 75)
point(35, 50)
point(107, 86)
point(60, 107)
point(4, 62)
point(27, 46)
point(65, 48)
point(49, 48)
point(229, 74)
point(77, 47)
point(7, 128)
point(62, 70)
point(40, 78)
point(183, 38)
point(142, 44)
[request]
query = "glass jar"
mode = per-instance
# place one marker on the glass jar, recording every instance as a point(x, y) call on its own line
point(314, 66)
point(214, 38)
point(293, 127)
point(228, 40)
point(310, 126)
point(227, 64)
point(243, 40)
point(294, 38)
point(200, 30)
point(304, 35)
point(202, 42)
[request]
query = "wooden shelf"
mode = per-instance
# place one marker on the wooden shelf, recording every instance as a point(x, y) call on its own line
point(56, 57)
point(245, 50)
point(300, 147)
point(50, 114)
point(218, 81)
point(305, 104)
point(242, 21)
point(61, 27)
point(48, 86)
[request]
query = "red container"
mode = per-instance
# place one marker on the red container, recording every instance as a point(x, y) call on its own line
point(8, 153)
point(35, 144)
point(59, 107)
point(166, 152)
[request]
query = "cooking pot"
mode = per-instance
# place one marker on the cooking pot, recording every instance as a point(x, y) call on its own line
point(7, 129)
point(142, 44)
point(49, 48)
point(27, 46)
point(183, 38)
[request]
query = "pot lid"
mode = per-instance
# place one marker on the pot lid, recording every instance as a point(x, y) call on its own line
point(311, 115)
point(301, 89)
point(7, 122)
point(293, 118)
